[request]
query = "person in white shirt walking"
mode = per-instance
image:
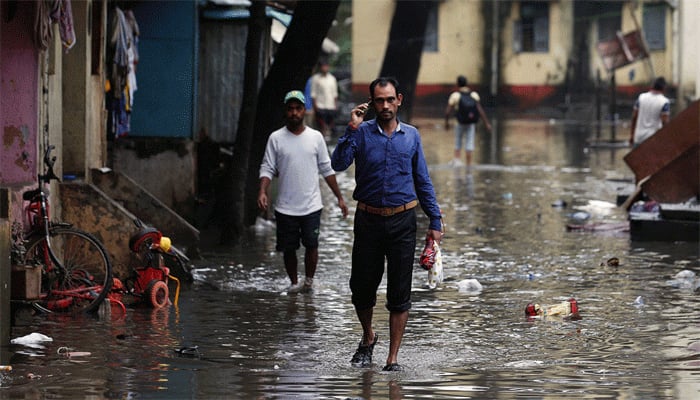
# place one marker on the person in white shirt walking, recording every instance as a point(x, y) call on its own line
point(651, 111)
point(297, 154)
point(324, 93)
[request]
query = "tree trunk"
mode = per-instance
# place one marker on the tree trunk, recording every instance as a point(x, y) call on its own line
point(294, 61)
point(232, 228)
point(402, 57)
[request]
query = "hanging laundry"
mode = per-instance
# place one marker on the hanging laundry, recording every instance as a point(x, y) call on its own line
point(122, 77)
point(49, 12)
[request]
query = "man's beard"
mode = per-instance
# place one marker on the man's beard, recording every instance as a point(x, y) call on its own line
point(295, 123)
point(385, 116)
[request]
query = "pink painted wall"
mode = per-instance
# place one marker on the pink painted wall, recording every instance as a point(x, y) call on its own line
point(19, 94)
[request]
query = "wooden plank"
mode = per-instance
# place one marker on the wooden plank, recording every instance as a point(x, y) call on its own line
point(667, 144)
point(678, 181)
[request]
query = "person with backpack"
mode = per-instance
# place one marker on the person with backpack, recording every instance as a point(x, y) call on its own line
point(466, 106)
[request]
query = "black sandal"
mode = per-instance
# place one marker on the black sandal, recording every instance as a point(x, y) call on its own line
point(363, 354)
point(393, 367)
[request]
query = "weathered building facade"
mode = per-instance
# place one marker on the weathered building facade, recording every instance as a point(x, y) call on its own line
point(528, 53)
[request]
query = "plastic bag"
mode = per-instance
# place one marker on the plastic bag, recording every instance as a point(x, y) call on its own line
point(435, 273)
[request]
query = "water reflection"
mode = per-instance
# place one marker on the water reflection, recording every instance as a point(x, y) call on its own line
point(253, 341)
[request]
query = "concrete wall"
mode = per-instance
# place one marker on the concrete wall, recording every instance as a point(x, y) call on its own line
point(89, 209)
point(84, 119)
point(144, 206)
point(689, 32)
point(164, 167)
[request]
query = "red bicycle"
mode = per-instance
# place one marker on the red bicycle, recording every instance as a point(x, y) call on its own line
point(76, 271)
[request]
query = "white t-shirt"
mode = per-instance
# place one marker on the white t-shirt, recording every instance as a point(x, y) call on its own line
point(324, 90)
point(297, 161)
point(650, 106)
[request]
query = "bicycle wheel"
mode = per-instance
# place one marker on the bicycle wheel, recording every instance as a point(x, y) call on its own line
point(84, 277)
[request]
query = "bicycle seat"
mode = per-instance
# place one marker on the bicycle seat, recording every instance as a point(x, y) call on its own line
point(29, 195)
point(138, 239)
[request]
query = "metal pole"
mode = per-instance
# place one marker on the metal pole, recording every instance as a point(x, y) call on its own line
point(613, 106)
point(597, 104)
point(5, 267)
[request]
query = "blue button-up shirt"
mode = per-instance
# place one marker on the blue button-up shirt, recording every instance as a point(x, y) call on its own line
point(389, 170)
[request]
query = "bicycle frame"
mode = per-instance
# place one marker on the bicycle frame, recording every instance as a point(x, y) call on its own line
point(38, 204)
point(76, 272)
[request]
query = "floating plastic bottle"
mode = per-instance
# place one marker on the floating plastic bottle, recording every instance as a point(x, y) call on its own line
point(567, 308)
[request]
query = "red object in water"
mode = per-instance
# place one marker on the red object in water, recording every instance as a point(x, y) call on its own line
point(574, 305)
point(530, 310)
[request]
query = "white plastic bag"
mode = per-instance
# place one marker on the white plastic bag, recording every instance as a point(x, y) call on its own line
point(435, 273)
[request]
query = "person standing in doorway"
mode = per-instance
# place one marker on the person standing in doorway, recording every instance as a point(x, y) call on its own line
point(296, 155)
point(651, 111)
point(324, 94)
point(392, 178)
point(466, 106)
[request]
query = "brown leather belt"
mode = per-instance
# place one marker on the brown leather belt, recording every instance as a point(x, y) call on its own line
point(386, 211)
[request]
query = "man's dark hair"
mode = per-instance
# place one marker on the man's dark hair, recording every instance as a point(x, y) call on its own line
point(659, 83)
point(383, 81)
point(461, 81)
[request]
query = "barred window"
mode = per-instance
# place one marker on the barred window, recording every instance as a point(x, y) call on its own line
point(654, 22)
point(531, 31)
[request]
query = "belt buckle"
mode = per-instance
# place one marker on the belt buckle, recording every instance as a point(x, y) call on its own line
point(388, 212)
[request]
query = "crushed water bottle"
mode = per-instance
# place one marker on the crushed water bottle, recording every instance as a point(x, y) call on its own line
point(566, 309)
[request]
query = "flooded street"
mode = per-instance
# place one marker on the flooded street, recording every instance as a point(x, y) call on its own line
point(639, 336)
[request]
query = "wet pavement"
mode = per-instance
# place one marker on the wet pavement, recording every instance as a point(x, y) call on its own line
point(244, 337)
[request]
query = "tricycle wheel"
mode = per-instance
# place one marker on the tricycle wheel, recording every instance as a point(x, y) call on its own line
point(158, 293)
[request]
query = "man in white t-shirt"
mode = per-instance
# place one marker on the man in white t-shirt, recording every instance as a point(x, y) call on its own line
point(297, 155)
point(651, 111)
point(324, 93)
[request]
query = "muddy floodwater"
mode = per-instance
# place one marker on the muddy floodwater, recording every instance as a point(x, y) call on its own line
point(638, 336)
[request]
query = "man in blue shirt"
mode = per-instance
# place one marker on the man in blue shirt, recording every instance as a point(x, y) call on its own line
point(391, 178)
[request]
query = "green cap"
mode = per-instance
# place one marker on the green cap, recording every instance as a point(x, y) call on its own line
point(295, 95)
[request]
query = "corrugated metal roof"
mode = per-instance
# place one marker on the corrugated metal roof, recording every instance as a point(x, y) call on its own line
point(233, 13)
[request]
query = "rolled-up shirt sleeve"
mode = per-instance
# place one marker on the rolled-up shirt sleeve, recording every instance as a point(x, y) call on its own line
point(324, 160)
point(268, 167)
point(344, 152)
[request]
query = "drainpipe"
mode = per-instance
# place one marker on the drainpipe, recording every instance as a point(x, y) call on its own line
point(494, 48)
point(675, 40)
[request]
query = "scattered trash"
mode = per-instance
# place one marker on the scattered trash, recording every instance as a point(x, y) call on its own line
point(469, 286)
point(685, 274)
point(612, 262)
point(559, 204)
point(189, 351)
point(580, 215)
point(5, 368)
point(508, 196)
point(33, 340)
point(67, 352)
point(645, 206)
point(567, 309)
point(685, 279)
point(639, 301)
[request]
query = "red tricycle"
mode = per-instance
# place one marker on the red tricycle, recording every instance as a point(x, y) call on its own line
point(148, 282)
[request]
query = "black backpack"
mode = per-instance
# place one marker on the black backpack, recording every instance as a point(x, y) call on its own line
point(467, 111)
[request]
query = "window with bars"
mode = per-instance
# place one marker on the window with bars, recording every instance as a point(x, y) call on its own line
point(654, 25)
point(531, 31)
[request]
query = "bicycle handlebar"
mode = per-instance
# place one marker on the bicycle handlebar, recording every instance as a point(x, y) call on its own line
point(49, 161)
